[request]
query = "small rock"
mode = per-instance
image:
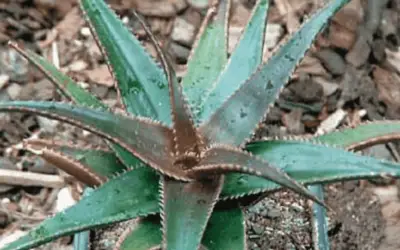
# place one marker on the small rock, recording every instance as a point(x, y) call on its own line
point(99, 90)
point(272, 34)
point(47, 124)
point(180, 52)
point(332, 61)
point(293, 122)
point(183, 32)
point(14, 90)
point(305, 90)
point(77, 66)
point(85, 31)
point(64, 199)
point(296, 207)
point(100, 75)
point(257, 229)
point(14, 65)
point(274, 213)
point(4, 80)
point(198, 4)
point(361, 49)
point(160, 8)
point(328, 86)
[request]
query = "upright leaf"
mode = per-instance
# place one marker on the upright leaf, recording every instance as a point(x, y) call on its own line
point(226, 230)
point(186, 137)
point(243, 61)
point(319, 221)
point(128, 196)
point(326, 165)
point(186, 210)
point(141, 83)
point(149, 141)
point(209, 54)
point(243, 111)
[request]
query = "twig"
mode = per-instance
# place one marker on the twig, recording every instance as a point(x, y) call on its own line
point(19, 178)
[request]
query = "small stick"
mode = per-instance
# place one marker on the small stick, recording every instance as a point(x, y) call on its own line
point(19, 178)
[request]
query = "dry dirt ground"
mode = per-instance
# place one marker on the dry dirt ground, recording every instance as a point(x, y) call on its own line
point(351, 74)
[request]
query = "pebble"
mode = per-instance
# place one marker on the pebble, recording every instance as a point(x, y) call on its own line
point(77, 66)
point(4, 80)
point(14, 90)
point(183, 32)
point(198, 4)
point(274, 213)
point(180, 52)
point(332, 61)
point(258, 229)
point(85, 31)
point(296, 207)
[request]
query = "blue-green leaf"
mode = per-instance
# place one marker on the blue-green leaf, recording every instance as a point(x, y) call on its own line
point(319, 221)
point(128, 196)
point(235, 121)
point(307, 163)
point(146, 234)
point(208, 56)
point(186, 210)
point(75, 93)
point(141, 83)
point(243, 61)
point(226, 230)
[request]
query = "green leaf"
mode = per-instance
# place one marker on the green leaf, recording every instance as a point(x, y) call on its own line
point(319, 221)
point(149, 141)
point(75, 93)
point(133, 194)
point(209, 55)
point(145, 235)
point(307, 163)
point(243, 61)
point(186, 210)
point(63, 82)
point(364, 135)
point(82, 239)
point(236, 119)
point(226, 230)
point(141, 83)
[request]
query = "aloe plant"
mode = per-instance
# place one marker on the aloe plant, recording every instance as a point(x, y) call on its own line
point(186, 166)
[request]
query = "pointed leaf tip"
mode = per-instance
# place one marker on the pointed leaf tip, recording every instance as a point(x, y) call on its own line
point(141, 83)
point(186, 137)
point(244, 60)
point(223, 159)
point(148, 140)
point(234, 121)
point(71, 166)
point(208, 56)
point(128, 196)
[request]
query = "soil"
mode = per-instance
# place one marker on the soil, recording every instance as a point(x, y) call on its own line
point(282, 220)
point(353, 68)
